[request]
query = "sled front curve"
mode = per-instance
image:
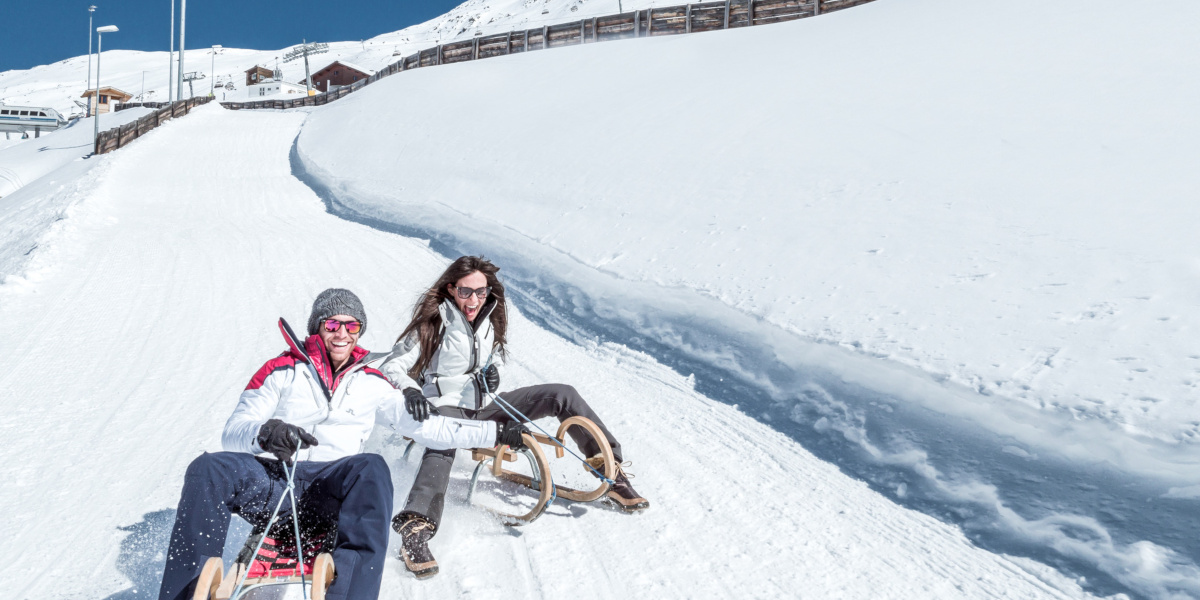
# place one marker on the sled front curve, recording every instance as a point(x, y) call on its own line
point(610, 464)
point(210, 579)
point(541, 480)
point(323, 572)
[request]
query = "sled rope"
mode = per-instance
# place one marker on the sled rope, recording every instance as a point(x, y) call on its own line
point(510, 409)
point(289, 491)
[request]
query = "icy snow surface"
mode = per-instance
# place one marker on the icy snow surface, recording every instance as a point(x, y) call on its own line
point(944, 246)
point(951, 243)
point(191, 242)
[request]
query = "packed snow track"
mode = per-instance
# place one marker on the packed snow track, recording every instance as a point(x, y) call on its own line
point(142, 318)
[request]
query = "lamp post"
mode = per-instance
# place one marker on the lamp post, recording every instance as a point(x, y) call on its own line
point(91, 11)
point(171, 59)
point(182, 37)
point(100, 31)
point(212, 68)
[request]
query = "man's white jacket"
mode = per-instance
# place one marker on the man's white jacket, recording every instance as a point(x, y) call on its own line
point(286, 388)
point(454, 375)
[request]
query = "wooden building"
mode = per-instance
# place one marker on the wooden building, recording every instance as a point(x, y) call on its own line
point(109, 97)
point(337, 74)
point(258, 75)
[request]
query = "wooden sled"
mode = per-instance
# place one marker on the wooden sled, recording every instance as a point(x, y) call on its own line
point(215, 584)
point(541, 479)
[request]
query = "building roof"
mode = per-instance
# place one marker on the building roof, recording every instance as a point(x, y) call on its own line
point(109, 91)
point(258, 68)
point(356, 67)
point(348, 65)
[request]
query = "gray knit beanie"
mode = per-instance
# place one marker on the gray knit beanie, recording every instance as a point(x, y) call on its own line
point(336, 301)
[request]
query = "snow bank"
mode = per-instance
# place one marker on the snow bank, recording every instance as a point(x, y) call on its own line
point(962, 188)
point(977, 209)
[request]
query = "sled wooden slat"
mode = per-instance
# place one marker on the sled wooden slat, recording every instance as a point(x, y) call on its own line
point(547, 440)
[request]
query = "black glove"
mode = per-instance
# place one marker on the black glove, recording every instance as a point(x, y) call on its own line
point(283, 439)
point(417, 405)
point(508, 433)
point(491, 375)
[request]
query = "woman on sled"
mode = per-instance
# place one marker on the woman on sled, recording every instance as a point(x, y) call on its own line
point(444, 360)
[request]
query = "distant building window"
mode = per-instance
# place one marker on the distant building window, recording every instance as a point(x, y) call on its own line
point(24, 113)
point(103, 99)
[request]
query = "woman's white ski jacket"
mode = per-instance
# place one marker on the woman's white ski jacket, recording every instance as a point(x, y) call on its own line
point(286, 388)
point(454, 376)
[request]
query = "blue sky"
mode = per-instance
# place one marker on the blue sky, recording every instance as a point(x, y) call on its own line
point(38, 32)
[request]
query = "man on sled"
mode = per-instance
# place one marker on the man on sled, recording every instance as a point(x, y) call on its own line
point(316, 403)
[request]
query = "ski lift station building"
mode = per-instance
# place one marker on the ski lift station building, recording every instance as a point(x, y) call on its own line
point(262, 82)
point(29, 119)
point(109, 97)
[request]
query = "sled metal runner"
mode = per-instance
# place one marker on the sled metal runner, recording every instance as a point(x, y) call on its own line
point(493, 459)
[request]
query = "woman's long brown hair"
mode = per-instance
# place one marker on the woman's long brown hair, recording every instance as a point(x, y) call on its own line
point(427, 321)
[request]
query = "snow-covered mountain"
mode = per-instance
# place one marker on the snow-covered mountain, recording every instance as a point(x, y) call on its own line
point(145, 74)
point(944, 246)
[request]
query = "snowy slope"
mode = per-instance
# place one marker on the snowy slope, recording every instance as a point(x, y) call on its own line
point(22, 163)
point(145, 74)
point(979, 213)
point(186, 247)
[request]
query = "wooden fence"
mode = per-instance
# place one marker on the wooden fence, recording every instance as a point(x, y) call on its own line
point(668, 20)
point(119, 137)
point(128, 105)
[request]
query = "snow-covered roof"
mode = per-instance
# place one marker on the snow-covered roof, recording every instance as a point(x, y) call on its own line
point(109, 91)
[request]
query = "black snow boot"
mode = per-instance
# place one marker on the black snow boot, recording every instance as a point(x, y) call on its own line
point(621, 492)
point(416, 532)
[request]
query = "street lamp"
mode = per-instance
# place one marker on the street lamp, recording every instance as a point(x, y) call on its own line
point(212, 68)
point(100, 31)
point(182, 38)
point(171, 59)
point(91, 11)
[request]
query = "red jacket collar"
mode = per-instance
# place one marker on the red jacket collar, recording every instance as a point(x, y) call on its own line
point(315, 348)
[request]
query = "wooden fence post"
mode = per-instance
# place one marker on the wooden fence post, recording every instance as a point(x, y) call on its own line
point(816, 7)
point(750, 14)
point(727, 14)
point(508, 43)
point(688, 20)
point(637, 23)
point(545, 36)
point(475, 50)
point(437, 58)
point(649, 21)
point(582, 30)
point(595, 29)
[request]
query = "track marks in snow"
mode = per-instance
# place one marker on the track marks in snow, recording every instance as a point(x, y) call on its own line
point(200, 238)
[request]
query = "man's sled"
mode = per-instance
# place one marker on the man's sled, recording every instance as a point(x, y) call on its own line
point(265, 562)
point(539, 478)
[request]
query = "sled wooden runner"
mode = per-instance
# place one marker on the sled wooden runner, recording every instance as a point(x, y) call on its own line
point(212, 586)
point(541, 480)
point(538, 463)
